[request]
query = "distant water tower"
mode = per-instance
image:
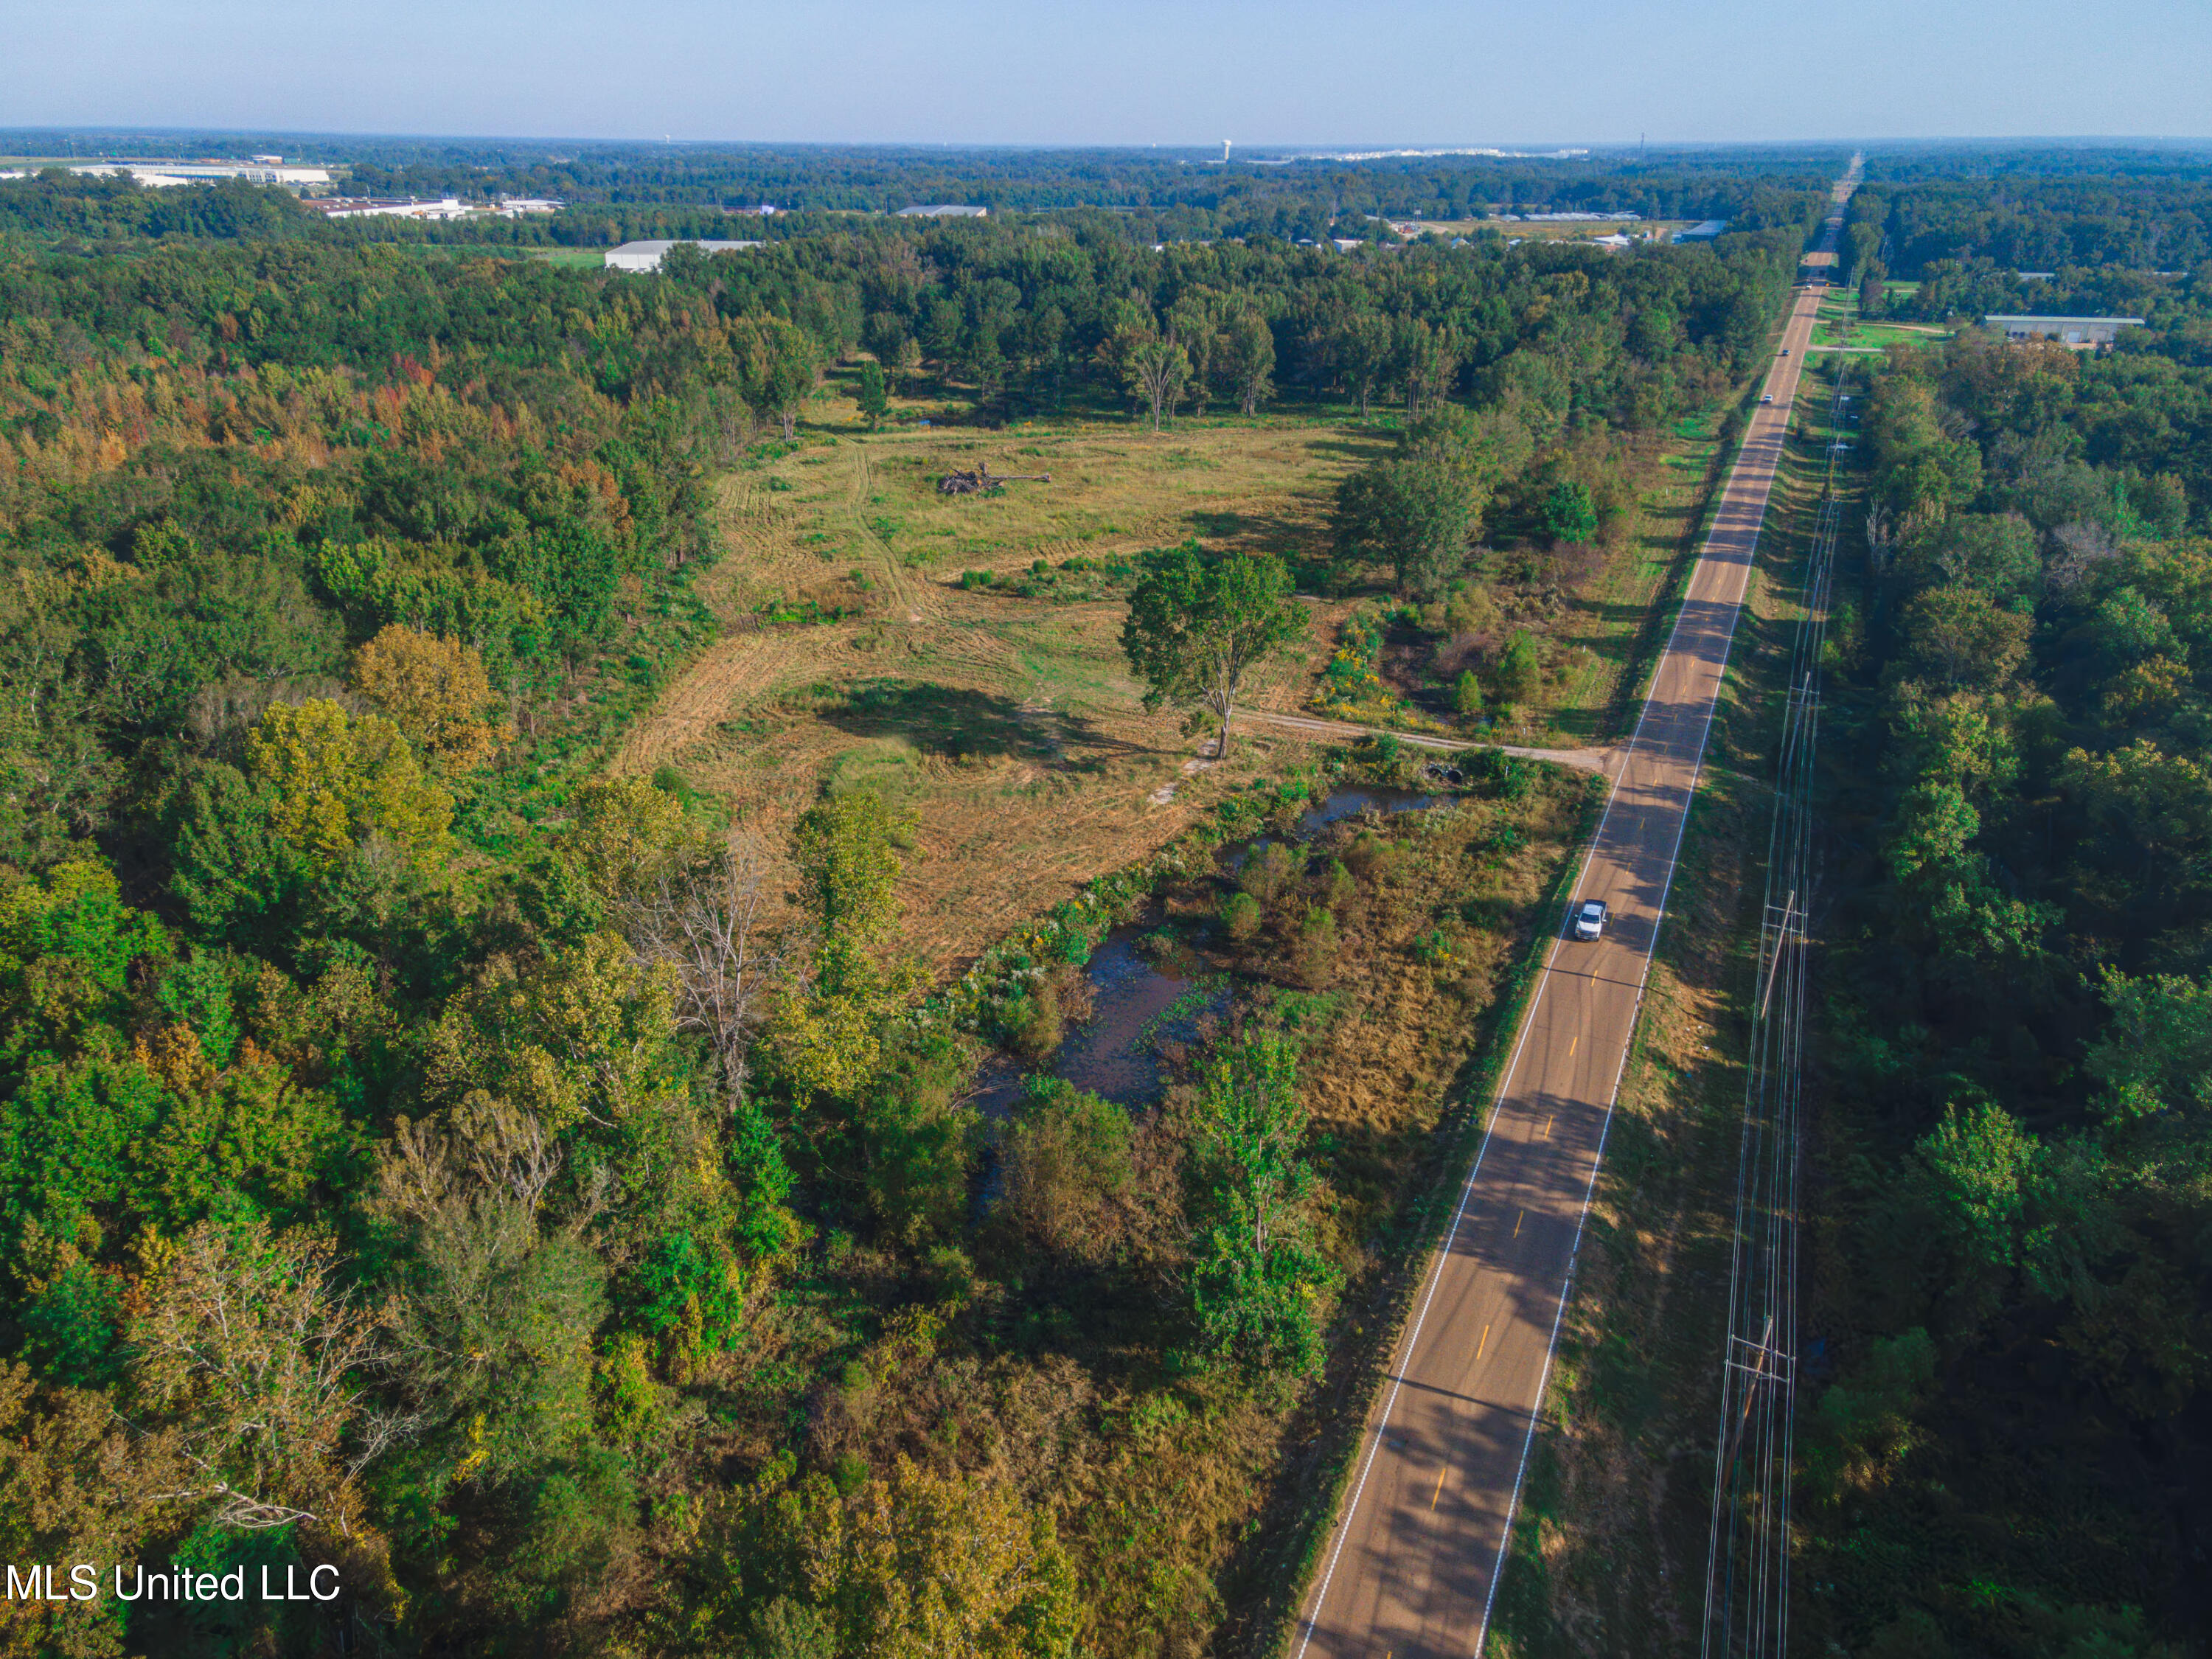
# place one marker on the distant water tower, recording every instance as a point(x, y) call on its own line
point(1225, 152)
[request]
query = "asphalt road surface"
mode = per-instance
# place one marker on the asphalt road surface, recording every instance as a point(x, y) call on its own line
point(1412, 1566)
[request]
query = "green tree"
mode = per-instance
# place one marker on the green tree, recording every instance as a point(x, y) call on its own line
point(1466, 695)
point(826, 1035)
point(1246, 361)
point(1256, 1275)
point(1359, 345)
point(1957, 637)
point(1520, 673)
point(1568, 514)
point(870, 395)
point(1416, 513)
point(1199, 622)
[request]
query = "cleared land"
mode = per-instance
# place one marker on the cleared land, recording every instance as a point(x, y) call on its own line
point(1841, 327)
point(1009, 725)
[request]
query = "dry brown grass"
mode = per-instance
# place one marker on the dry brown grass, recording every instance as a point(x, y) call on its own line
point(1023, 748)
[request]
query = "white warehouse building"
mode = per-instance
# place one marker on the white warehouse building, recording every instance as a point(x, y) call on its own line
point(647, 256)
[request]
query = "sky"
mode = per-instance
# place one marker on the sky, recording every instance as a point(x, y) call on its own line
point(1051, 72)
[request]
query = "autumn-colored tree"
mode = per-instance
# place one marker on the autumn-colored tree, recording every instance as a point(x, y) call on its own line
point(1959, 638)
point(437, 692)
point(626, 835)
point(827, 1033)
point(333, 782)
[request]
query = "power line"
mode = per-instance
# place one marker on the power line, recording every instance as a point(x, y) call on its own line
point(1747, 1614)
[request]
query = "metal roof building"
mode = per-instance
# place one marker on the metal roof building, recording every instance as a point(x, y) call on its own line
point(941, 210)
point(646, 256)
point(2066, 331)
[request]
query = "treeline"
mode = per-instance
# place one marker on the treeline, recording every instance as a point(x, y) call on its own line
point(617, 195)
point(2009, 1351)
point(2111, 244)
point(1757, 188)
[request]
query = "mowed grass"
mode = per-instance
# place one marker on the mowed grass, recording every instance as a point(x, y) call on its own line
point(1010, 727)
point(1840, 324)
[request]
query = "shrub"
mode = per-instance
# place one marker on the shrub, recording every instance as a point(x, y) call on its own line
point(1313, 956)
point(1268, 873)
point(1466, 695)
point(1520, 670)
point(1337, 886)
point(1067, 1167)
point(1240, 915)
point(1033, 1022)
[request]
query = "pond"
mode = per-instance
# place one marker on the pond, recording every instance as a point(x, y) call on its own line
point(1135, 1003)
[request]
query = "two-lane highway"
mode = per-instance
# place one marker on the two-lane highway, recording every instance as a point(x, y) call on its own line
point(1412, 1566)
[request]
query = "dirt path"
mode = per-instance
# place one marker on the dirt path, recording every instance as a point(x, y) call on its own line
point(1587, 760)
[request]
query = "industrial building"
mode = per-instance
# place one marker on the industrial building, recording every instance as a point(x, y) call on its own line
point(2066, 331)
point(942, 211)
point(647, 256)
point(156, 174)
point(1703, 231)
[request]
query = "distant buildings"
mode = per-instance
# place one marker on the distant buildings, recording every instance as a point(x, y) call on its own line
point(1703, 232)
point(942, 211)
point(392, 207)
point(647, 256)
point(2064, 331)
point(1577, 218)
point(411, 207)
point(261, 170)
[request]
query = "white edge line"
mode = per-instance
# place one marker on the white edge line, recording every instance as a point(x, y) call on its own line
point(1597, 1162)
point(1528, 1023)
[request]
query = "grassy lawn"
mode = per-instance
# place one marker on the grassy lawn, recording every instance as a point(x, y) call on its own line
point(1840, 323)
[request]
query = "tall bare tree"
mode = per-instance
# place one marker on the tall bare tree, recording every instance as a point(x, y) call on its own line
point(705, 921)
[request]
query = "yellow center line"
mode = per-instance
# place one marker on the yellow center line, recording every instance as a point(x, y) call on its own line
point(1548, 1122)
point(1439, 1492)
point(1517, 1220)
point(1485, 1343)
point(1570, 1044)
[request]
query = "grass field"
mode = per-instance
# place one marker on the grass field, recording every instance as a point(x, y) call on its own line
point(1840, 324)
point(1009, 726)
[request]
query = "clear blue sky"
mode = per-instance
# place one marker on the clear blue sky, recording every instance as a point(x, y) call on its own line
point(1128, 72)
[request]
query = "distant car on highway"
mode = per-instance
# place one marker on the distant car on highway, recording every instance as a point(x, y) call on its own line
point(1767, 397)
point(1589, 920)
point(1785, 351)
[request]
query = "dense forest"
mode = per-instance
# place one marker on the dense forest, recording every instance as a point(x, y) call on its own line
point(2007, 1452)
point(615, 193)
point(2064, 245)
point(424, 1154)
